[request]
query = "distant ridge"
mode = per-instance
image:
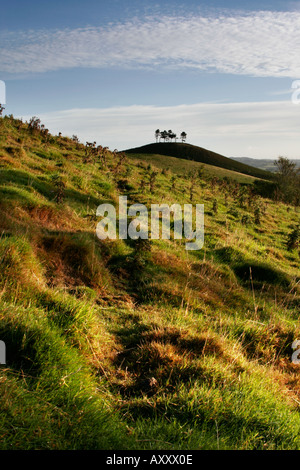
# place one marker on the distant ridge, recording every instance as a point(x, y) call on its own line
point(264, 163)
point(199, 154)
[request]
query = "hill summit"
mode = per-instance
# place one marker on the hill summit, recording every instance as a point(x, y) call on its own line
point(199, 154)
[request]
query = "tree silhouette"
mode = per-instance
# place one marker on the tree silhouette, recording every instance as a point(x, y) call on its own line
point(172, 135)
point(34, 124)
point(168, 136)
point(183, 136)
point(164, 135)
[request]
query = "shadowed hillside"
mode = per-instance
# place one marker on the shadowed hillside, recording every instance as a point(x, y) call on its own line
point(199, 154)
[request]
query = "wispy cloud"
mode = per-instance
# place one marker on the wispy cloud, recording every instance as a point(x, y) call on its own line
point(234, 129)
point(257, 44)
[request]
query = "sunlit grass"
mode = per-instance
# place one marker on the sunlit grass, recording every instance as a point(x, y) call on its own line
point(115, 346)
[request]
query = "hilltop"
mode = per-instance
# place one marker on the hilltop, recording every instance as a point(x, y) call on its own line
point(199, 154)
point(123, 344)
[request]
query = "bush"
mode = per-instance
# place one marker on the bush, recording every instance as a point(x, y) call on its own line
point(293, 238)
point(246, 219)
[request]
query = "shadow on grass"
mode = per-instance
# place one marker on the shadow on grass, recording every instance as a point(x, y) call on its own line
point(21, 350)
point(41, 185)
point(161, 358)
point(21, 178)
point(252, 272)
point(259, 274)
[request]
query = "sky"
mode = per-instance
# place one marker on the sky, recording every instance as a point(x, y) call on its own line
point(225, 72)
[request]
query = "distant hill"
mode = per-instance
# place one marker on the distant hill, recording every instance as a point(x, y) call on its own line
point(199, 154)
point(262, 163)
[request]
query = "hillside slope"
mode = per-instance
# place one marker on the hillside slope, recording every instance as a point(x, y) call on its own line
point(199, 154)
point(122, 344)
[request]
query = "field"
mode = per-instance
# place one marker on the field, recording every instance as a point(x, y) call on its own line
point(201, 155)
point(182, 167)
point(118, 344)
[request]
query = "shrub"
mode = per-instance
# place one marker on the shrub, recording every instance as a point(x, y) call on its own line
point(215, 206)
point(152, 181)
point(60, 188)
point(293, 238)
point(257, 215)
point(246, 219)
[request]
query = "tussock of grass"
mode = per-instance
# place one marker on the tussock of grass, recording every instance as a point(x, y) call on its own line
point(49, 397)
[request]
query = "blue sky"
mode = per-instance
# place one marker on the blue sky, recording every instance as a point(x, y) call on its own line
point(116, 71)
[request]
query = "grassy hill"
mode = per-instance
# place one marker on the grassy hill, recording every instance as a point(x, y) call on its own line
point(183, 167)
point(117, 344)
point(199, 154)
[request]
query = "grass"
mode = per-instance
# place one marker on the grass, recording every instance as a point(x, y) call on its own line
point(116, 344)
point(199, 154)
point(182, 167)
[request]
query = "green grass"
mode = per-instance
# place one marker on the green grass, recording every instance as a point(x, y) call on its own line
point(119, 345)
point(199, 154)
point(181, 167)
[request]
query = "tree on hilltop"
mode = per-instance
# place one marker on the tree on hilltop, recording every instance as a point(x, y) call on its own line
point(172, 135)
point(164, 135)
point(168, 136)
point(183, 136)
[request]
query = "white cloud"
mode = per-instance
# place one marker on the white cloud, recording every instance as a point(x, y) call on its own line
point(258, 44)
point(262, 130)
